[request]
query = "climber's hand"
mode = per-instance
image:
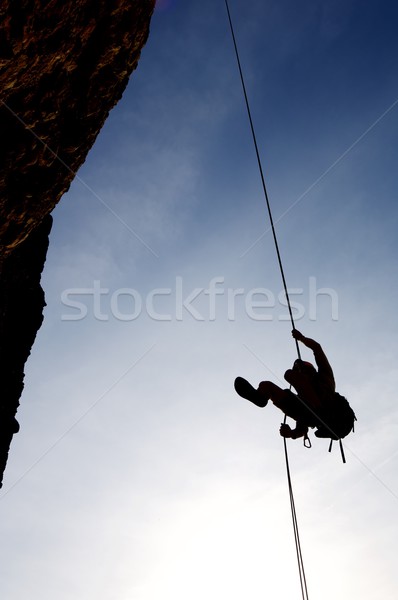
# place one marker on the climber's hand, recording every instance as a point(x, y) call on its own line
point(297, 335)
point(285, 430)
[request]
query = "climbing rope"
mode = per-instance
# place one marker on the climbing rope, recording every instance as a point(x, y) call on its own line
point(260, 167)
point(300, 561)
point(303, 582)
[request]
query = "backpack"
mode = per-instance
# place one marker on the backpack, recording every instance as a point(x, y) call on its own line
point(337, 422)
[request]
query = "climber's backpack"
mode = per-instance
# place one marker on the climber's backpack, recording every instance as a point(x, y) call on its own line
point(338, 422)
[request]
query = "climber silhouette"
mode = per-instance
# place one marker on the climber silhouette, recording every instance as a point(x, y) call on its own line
point(317, 404)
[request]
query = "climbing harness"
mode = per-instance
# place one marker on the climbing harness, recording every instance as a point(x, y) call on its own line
point(341, 443)
point(341, 449)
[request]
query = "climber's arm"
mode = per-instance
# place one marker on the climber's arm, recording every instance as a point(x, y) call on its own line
point(320, 357)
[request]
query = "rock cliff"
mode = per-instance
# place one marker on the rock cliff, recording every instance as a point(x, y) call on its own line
point(63, 65)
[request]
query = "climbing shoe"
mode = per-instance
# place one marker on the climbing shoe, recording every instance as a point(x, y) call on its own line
point(247, 391)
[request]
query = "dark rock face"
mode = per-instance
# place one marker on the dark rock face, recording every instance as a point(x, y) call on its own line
point(21, 316)
point(63, 65)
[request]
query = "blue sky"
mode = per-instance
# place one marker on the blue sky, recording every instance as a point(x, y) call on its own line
point(138, 473)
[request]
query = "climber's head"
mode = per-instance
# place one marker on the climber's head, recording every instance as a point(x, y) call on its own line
point(302, 366)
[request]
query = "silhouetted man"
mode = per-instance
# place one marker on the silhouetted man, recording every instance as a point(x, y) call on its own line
point(315, 404)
